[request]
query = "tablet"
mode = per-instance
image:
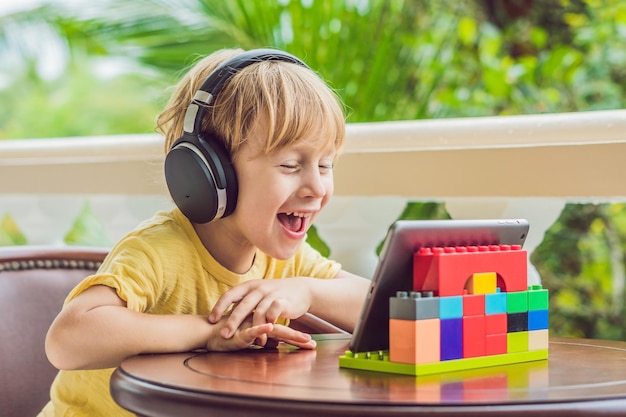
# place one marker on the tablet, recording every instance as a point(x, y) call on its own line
point(394, 271)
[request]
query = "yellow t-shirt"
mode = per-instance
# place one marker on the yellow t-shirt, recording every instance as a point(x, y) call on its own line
point(163, 268)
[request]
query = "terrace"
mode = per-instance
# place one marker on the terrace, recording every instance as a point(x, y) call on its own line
point(506, 166)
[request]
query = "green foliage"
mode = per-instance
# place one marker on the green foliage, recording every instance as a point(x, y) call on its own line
point(582, 261)
point(89, 95)
point(442, 59)
point(87, 230)
point(79, 104)
point(424, 211)
point(10, 233)
point(314, 239)
point(420, 211)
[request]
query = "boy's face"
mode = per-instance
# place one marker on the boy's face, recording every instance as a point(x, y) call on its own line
point(281, 193)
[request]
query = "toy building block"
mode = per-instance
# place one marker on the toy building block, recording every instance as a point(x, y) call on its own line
point(473, 305)
point(473, 336)
point(451, 307)
point(517, 342)
point(482, 283)
point(537, 319)
point(452, 337)
point(496, 324)
point(496, 344)
point(517, 302)
point(446, 270)
point(538, 339)
point(413, 306)
point(495, 303)
point(537, 298)
point(414, 341)
point(517, 322)
point(379, 362)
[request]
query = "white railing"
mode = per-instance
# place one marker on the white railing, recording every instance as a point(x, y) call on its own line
point(505, 166)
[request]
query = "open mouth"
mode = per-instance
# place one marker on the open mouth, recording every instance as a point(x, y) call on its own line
point(294, 222)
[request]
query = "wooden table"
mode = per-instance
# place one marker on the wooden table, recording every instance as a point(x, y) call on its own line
point(581, 377)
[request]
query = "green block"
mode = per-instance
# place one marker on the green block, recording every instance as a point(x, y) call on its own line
point(537, 298)
point(517, 302)
point(517, 342)
point(379, 362)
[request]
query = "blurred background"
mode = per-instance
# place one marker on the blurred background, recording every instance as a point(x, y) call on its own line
point(89, 68)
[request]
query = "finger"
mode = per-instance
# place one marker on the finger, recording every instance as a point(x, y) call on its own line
point(278, 308)
point(261, 340)
point(311, 344)
point(232, 296)
point(251, 334)
point(260, 314)
point(240, 313)
point(292, 336)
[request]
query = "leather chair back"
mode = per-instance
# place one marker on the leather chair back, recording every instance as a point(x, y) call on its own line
point(34, 282)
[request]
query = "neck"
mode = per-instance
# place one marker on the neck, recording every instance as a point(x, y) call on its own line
point(226, 246)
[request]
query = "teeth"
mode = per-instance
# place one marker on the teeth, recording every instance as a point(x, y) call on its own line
point(297, 214)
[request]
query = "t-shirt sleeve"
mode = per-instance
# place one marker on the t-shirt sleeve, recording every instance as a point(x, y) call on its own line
point(133, 270)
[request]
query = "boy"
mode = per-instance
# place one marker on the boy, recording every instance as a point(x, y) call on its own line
point(251, 139)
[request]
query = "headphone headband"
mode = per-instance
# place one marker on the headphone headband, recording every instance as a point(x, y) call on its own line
point(215, 81)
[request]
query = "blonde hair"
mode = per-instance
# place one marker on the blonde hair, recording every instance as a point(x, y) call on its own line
point(295, 101)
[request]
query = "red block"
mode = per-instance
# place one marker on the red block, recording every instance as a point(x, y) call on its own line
point(496, 324)
point(445, 271)
point(495, 344)
point(473, 336)
point(474, 305)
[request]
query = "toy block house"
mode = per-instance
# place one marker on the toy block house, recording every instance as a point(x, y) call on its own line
point(470, 307)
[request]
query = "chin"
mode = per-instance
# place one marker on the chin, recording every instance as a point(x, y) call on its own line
point(285, 254)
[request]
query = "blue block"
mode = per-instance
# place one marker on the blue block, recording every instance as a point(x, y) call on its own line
point(451, 339)
point(495, 303)
point(537, 319)
point(451, 307)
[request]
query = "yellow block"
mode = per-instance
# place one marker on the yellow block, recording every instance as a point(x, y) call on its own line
point(482, 283)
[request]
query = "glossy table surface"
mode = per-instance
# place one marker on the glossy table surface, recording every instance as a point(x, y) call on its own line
point(581, 377)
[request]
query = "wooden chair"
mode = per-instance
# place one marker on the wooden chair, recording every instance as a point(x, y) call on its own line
point(34, 281)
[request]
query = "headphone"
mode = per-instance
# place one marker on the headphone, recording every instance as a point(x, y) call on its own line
point(198, 169)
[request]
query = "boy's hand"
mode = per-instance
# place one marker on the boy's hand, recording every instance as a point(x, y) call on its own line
point(265, 301)
point(247, 334)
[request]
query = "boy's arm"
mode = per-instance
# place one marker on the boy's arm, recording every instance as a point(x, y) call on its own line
point(340, 300)
point(337, 300)
point(96, 330)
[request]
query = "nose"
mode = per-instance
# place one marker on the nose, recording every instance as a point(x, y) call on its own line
point(316, 184)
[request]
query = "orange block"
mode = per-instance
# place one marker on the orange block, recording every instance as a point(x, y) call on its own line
point(414, 341)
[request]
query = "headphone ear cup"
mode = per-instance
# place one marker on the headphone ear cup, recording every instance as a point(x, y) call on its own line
point(223, 166)
point(201, 178)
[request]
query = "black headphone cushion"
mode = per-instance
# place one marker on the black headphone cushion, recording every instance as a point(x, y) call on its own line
point(201, 179)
